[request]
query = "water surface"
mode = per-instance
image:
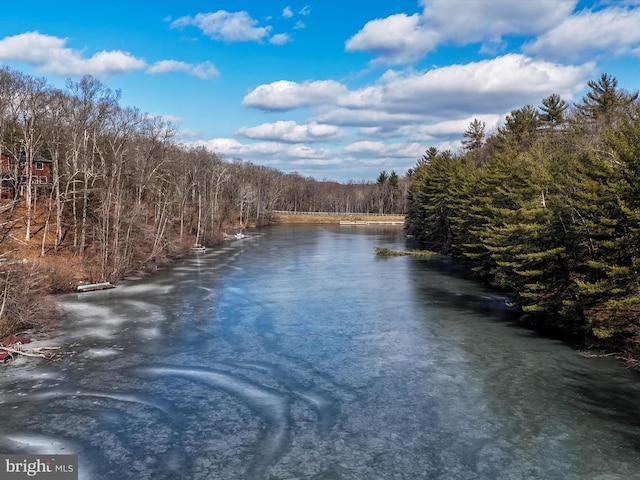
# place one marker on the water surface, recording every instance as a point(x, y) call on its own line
point(296, 353)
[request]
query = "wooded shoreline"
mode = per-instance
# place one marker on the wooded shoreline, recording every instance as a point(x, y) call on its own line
point(547, 209)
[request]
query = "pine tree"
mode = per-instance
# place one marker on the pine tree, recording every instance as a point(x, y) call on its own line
point(474, 135)
point(552, 111)
point(519, 130)
point(604, 101)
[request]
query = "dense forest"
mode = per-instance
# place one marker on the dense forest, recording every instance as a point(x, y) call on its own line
point(546, 208)
point(121, 194)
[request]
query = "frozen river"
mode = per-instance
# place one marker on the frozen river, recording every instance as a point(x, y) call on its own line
point(296, 353)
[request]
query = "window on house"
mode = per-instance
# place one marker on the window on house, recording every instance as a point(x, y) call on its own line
point(43, 179)
point(39, 166)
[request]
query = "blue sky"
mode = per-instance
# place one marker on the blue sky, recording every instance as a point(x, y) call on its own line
point(332, 89)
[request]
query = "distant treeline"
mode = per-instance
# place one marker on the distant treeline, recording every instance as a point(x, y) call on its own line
point(547, 208)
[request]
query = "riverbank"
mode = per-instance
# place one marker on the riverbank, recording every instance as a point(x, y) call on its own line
point(334, 218)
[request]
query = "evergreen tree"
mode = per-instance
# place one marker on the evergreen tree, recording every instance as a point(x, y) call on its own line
point(552, 110)
point(604, 101)
point(520, 129)
point(474, 135)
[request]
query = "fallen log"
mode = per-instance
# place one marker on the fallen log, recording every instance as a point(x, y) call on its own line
point(48, 353)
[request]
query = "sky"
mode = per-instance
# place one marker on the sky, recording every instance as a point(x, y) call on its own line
point(333, 89)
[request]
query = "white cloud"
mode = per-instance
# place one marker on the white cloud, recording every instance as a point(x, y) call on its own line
point(489, 86)
point(418, 108)
point(380, 131)
point(226, 26)
point(396, 39)
point(385, 150)
point(451, 129)
point(403, 38)
point(317, 162)
point(589, 34)
point(354, 161)
point(498, 84)
point(467, 21)
point(286, 95)
point(280, 39)
point(287, 12)
point(290, 131)
point(264, 151)
point(204, 71)
point(366, 147)
point(306, 10)
point(172, 119)
point(50, 55)
point(429, 132)
point(366, 117)
point(33, 47)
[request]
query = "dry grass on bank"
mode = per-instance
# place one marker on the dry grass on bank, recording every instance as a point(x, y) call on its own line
point(311, 218)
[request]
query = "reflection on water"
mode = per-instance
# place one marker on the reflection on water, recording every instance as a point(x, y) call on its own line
point(296, 353)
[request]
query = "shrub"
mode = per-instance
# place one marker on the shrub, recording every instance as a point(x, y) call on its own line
point(24, 299)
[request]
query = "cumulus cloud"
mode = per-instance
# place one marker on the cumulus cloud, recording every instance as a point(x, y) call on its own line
point(287, 12)
point(353, 161)
point(280, 39)
point(466, 21)
point(366, 117)
point(379, 149)
point(499, 84)
point(429, 132)
point(417, 108)
point(290, 131)
point(226, 26)
point(575, 38)
point(204, 71)
point(396, 39)
point(266, 151)
point(403, 38)
point(366, 147)
point(286, 95)
point(50, 55)
point(481, 87)
point(448, 129)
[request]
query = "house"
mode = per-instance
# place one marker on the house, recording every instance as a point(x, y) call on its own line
point(14, 175)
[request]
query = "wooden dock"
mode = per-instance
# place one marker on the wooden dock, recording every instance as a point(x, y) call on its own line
point(92, 287)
